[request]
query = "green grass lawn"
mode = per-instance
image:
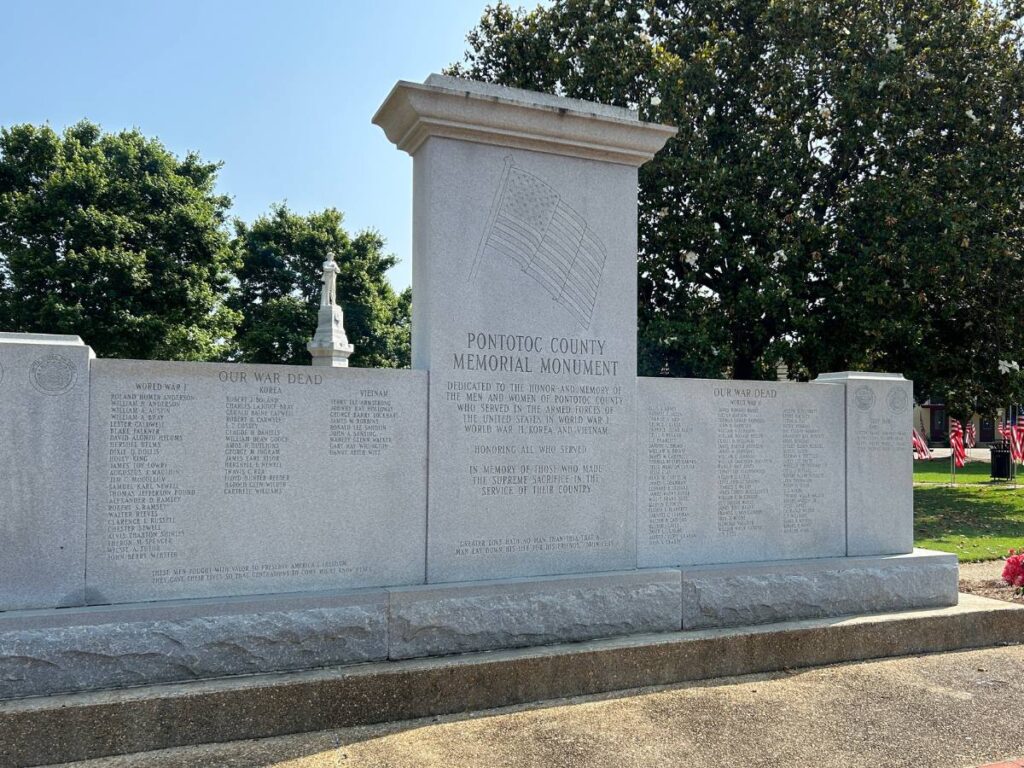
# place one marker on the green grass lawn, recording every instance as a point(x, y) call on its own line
point(974, 522)
point(937, 471)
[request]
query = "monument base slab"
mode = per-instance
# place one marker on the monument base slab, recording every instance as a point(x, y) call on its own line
point(86, 725)
point(761, 593)
point(478, 616)
point(46, 652)
point(82, 649)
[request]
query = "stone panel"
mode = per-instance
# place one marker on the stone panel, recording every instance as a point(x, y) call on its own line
point(85, 649)
point(532, 397)
point(879, 463)
point(44, 435)
point(211, 480)
point(735, 471)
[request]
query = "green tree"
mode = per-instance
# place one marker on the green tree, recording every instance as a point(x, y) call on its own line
point(281, 258)
point(845, 190)
point(113, 238)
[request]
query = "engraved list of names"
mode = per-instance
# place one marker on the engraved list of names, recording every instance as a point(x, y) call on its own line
point(303, 463)
point(734, 471)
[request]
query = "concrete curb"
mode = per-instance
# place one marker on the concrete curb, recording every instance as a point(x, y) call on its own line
point(80, 726)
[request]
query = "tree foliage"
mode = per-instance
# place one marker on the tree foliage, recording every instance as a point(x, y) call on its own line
point(845, 190)
point(113, 238)
point(279, 278)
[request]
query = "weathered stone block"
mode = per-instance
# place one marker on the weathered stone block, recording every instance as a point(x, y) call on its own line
point(763, 593)
point(479, 616)
point(83, 649)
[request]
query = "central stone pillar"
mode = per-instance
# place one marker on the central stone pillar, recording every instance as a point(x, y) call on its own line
point(524, 312)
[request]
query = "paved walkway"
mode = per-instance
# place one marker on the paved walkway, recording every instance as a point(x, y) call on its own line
point(973, 454)
point(956, 709)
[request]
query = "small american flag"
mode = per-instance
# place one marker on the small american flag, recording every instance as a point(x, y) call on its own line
point(532, 226)
point(1016, 432)
point(970, 435)
point(956, 443)
point(921, 450)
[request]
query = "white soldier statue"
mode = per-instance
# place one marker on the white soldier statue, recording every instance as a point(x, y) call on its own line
point(329, 345)
point(329, 293)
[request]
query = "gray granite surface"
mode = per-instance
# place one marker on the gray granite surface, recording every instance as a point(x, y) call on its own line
point(48, 652)
point(44, 433)
point(762, 593)
point(454, 618)
point(76, 649)
point(511, 118)
point(528, 98)
point(211, 480)
point(879, 462)
point(734, 471)
point(525, 267)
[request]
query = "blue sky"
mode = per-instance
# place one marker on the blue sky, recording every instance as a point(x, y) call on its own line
point(281, 92)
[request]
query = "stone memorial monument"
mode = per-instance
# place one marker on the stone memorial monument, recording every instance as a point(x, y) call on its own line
point(329, 345)
point(165, 521)
point(524, 220)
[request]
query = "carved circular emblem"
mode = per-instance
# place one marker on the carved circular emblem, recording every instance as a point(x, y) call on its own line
point(864, 397)
point(897, 400)
point(53, 374)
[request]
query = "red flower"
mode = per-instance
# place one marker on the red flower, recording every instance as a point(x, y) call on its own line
point(1013, 571)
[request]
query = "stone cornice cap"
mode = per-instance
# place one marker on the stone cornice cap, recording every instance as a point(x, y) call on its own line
point(865, 375)
point(41, 338)
point(510, 117)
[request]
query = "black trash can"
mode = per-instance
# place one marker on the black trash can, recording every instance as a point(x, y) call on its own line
point(1000, 461)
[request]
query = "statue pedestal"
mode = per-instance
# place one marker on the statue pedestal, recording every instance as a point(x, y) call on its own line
point(330, 346)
